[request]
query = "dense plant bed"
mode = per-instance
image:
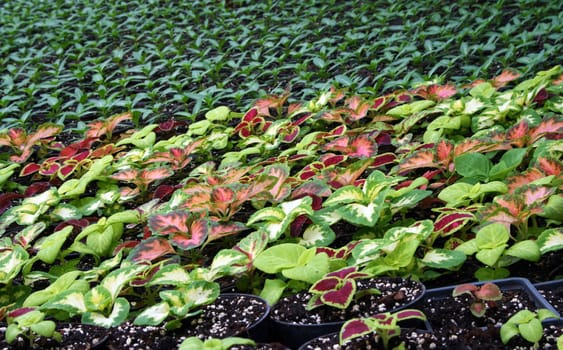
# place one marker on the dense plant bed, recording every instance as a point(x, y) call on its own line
point(136, 226)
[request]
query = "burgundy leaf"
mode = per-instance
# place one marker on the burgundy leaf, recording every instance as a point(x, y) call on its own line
point(326, 284)
point(340, 297)
point(354, 328)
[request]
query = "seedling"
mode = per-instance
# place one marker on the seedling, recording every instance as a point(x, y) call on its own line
point(483, 296)
point(29, 323)
point(527, 324)
point(384, 325)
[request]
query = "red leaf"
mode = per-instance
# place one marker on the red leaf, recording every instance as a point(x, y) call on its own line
point(164, 191)
point(466, 288)
point(343, 273)
point(489, 291)
point(362, 147)
point(196, 236)
point(378, 102)
point(223, 229)
point(549, 166)
point(29, 169)
point(342, 296)
point(150, 249)
point(36, 188)
point(170, 223)
point(383, 159)
point(451, 222)
point(546, 127)
point(6, 200)
point(419, 159)
point(326, 284)
point(517, 181)
point(504, 78)
point(518, 134)
point(354, 328)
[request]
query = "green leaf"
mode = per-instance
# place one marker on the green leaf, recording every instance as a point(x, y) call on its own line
point(311, 271)
point(272, 290)
point(279, 257)
point(218, 114)
point(50, 247)
point(492, 236)
point(473, 165)
point(527, 250)
point(410, 108)
point(483, 90)
point(489, 256)
point(69, 301)
point(508, 331)
point(531, 331)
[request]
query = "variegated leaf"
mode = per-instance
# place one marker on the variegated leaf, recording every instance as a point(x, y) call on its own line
point(344, 195)
point(172, 274)
point(550, 240)
point(153, 315)
point(69, 301)
point(118, 315)
point(443, 258)
point(358, 214)
point(317, 236)
point(117, 279)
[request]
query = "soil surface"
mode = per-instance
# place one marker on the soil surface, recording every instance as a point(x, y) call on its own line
point(395, 293)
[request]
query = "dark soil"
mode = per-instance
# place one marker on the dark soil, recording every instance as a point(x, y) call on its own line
point(475, 339)
point(553, 293)
point(459, 315)
point(228, 316)
point(395, 293)
point(74, 337)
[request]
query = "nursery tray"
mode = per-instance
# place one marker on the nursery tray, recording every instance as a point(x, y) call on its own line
point(504, 284)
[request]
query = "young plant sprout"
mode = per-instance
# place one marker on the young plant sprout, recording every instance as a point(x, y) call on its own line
point(483, 296)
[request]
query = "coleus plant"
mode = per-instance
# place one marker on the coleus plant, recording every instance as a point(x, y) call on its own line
point(383, 325)
point(31, 324)
point(182, 301)
point(482, 296)
point(338, 288)
point(22, 143)
point(527, 324)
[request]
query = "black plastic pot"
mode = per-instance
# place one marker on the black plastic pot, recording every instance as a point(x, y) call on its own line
point(552, 292)
point(259, 330)
point(295, 334)
point(505, 284)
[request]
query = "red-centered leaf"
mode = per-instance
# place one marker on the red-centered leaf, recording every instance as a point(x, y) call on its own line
point(518, 181)
point(13, 138)
point(81, 155)
point(344, 272)
point(449, 223)
point(77, 225)
point(66, 170)
point(466, 288)
point(250, 115)
point(150, 175)
point(419, 159)
point(341, 297)
point(500, 215)
point(331, 252)
point(326, 284)
point(546, 127)
point(6, 200)
point(409, 314)
point(102, 127)
point(20, 311)
point(383, 138)
point(330, 159)
point(518, 134)
point(444, 150)
point(127, 175)
point(436, 92)
point(297, 226)
point(362, 147)
point(383, 318)
point(352, 329)
point(346, 176)
point(36, 188)
point(125, 245)
point(378, 103)
point(383, 159)
point(488, 291)
point(49, 169)
point(73, 148)
point(224, 229)
point(165, 191)
point(549, 166)
point(196, 236)
point(305, 175)
point(311, 188)
point(478, 309)
point(150, 249)
point(29, 169)
point(359, 108)
point(504, 78)
point(338, 131)
point(536, 194)
point(44, 131)
point(291, 135)
point(479, 146)
point(335, 115)
point(222, 194)
point(170, 223)
point(302, 119)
